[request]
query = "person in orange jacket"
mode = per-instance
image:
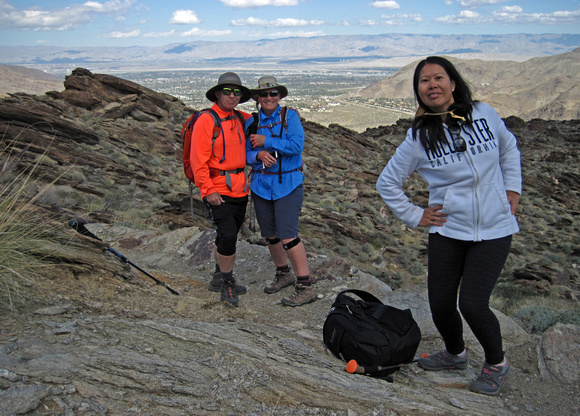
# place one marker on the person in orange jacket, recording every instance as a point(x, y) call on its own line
point(218, 165)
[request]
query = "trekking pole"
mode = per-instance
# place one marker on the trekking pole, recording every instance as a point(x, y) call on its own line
point(353, 367)
point(79, 225)
point(191, 200)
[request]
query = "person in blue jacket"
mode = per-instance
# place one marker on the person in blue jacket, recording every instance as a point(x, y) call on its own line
point(274, 151)
point(471, 163)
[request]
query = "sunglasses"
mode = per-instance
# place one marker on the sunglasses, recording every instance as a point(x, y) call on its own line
point(227, 91)
point(271, 94)
point(458, 141)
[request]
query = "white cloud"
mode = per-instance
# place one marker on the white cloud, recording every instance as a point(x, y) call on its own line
point(122, 35)
point(389, 4)
point(477, 3)
point(248, 4)
point(511, 15)
point(468, 14)
point(298, 34)
point(200, 32)
point(511, 9)
point(160, 34)
point(516, 15)
point(184, 17)
point(401, 19)
point(71, 17)
point(287, 22)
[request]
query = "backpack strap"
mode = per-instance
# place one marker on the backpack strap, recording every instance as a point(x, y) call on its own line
point(283, 122)
point(283, 126)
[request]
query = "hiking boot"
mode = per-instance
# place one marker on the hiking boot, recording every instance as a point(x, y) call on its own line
point(281, 280)
point(215, 285)
point(491, 379)
point(443, 361)
point(302, 296)
point(229, 294)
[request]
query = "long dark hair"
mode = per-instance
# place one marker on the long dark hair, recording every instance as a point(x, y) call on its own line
point(430, 128)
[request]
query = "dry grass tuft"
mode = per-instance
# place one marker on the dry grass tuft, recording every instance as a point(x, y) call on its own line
point(21, 227)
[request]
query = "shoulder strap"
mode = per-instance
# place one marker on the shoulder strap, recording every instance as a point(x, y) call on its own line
point(283, 118)
point(217, 121)
point(253, 127)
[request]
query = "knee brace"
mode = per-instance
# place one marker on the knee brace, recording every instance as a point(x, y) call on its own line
point(272, 241)
point(291, 244)
point(226, 244)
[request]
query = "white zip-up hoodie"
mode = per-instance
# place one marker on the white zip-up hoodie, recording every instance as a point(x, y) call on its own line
point(470, 185)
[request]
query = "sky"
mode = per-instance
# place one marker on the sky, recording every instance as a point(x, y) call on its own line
point(162, 22)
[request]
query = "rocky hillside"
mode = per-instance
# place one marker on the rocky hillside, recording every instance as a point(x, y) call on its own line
point(106, 341)
point(111, 151)
point(547, 87)
point(28, 80)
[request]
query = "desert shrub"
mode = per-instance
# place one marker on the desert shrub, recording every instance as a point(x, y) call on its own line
point(315, 242)
point(377, 243)
point(368, 223)
point(115, 201)
point(120, 158)
point(507, 298)
point(367, 248)
point(416, 268)
point(76, 175)
point(537, 319)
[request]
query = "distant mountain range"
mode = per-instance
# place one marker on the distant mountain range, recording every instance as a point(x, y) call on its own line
point(546, 87)
point(352, 50)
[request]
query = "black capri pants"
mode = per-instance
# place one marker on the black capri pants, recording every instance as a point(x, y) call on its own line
point(227, 219)
point(470, 269)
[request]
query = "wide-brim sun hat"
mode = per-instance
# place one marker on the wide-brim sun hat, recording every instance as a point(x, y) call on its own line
point(269, 82)
point(225, 80)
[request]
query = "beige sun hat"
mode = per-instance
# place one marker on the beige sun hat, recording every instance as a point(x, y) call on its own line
point(269, 82)
point(231, 79)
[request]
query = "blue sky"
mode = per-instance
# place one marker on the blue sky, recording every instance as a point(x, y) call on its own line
point(161, 22)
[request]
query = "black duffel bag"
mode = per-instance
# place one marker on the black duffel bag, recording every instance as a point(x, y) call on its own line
point(373, 334)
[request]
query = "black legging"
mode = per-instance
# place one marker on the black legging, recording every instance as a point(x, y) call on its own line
point(472, 268)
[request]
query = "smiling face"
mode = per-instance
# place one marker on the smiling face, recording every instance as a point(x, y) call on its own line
point(268, 103)
point(435, 88)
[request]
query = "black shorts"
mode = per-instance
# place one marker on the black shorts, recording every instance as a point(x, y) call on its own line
point(227, 219)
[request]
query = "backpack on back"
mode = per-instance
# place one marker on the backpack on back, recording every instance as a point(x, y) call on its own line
point(187, 131)
point(373, 334)
point(186, 136)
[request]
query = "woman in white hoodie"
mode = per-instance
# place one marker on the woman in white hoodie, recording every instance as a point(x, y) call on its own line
point(471, 163)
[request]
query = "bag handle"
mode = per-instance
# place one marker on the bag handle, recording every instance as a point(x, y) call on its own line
point(366, 296)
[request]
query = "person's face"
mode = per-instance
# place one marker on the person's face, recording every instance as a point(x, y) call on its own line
point(228, 102)
point(268, 100)
point(435, 87)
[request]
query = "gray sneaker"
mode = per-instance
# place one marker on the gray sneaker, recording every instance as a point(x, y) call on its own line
point(491, 379)
point(281, 280)
point(443, 361)
point(302, 296)
point(215, 285)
